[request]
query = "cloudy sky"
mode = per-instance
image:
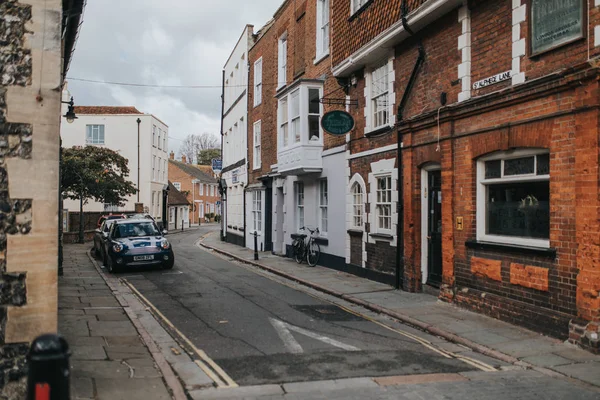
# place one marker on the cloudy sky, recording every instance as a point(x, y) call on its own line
point(158, 42)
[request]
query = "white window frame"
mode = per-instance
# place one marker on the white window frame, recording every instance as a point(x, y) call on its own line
point(258, 82)
point(164, 169)
point(323, 204)
point(158, 169)
point(171, 214)
point(386, 202)
point(153, 135)
point(356, 5)
point(165, 134)
point(323, 30)
point(300, 201)
point(481, 214)
point(177, 185)
point(282, 61)
point(294, 115)
point(94, 134)
point(294, 122)
point(159, 135)
point(256, 157)
point(387, 70)
point(257, 210)
point(358, 208)
point(201, 189)
point(284, 117)
point(154, 168)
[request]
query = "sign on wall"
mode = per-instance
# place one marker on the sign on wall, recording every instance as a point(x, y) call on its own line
point(337, 122)
point(217, 165)
point(492, 79)
point(554, 23)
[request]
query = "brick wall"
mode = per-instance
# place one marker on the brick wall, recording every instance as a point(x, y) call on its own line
point(558, 113)
point(176, 174)
point(356, 250)
point(298, 19)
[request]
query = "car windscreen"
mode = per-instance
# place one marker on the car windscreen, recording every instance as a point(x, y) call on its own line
point(135, 229)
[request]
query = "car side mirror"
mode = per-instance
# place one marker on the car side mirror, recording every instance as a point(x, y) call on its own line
point(164, 232)
point(105, 234)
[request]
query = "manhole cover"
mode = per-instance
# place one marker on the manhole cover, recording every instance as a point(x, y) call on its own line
point(327, 312)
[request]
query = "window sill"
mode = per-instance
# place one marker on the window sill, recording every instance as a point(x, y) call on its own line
point(359, 11)
point(355, 232)
point(538, 251)
point(320, 58)
point(378, 131)
point(382, 236)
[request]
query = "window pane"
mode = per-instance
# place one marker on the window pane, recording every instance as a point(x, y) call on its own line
point(284, 110)
point(543, 164)
point(519, 209)
point(313, 101)
point(296, 129)
point(295, 104)
point(493, 169)
point(313, 127)
point(519, 166)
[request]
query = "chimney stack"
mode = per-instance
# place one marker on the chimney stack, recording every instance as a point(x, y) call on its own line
point(183, 159)
point(172, 155)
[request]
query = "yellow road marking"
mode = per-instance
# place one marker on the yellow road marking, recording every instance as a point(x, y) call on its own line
point(220, 377)
point(468, 360)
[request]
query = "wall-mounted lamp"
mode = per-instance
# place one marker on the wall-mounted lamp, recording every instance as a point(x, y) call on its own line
point(70, 114)
point(353, 80)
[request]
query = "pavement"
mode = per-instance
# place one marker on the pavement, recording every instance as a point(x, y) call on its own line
point(474, 333)
point(119, 350)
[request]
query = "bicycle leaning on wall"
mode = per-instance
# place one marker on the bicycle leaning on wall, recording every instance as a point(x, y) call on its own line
point(306, 247)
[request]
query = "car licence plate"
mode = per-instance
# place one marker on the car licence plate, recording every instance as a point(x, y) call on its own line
point(143, 258)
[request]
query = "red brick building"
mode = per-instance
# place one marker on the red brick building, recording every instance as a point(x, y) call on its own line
point(200, 189)
point(482, 118)
point(294, 170)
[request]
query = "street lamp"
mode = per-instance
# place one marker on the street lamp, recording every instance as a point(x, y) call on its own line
point(70, 114)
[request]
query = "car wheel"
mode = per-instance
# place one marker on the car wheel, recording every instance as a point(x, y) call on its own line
point(110, 265)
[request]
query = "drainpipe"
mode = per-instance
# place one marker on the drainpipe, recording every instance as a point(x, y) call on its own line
point(223, 210)
point(399, 117)
point(139, 121)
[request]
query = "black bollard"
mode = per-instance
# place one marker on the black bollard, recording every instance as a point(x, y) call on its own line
point(255, 245)
point(182, 225)
point(48, 377)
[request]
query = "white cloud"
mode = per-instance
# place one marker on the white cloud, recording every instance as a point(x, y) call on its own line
point(183, 42)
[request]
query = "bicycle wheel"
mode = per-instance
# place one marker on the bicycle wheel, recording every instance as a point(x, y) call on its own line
point(299, 252)
point(314, 251)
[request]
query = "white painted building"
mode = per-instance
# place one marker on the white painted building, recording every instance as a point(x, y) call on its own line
point(124, 129)
point(235, 142)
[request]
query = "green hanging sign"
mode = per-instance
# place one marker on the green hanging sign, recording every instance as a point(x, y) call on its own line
point(337, 122)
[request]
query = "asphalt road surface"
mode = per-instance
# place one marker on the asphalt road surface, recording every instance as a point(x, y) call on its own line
point(260, 331)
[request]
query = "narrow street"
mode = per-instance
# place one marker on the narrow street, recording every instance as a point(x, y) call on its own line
point(262, 332)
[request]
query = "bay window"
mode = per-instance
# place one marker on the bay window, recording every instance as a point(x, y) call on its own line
point(513, 198)
point(299, 117)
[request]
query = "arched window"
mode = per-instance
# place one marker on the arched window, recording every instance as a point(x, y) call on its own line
point(357, 206)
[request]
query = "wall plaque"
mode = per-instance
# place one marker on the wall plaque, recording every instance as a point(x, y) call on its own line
point(554, 23)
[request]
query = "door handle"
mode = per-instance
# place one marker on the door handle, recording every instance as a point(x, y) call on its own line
point(428, 237)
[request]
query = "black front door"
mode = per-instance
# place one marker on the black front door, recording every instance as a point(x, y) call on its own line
point(434, 228)
point(269, 219)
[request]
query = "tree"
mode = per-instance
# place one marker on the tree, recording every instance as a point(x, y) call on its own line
point(94, 173)
point(194, 144)
point(205, 156)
